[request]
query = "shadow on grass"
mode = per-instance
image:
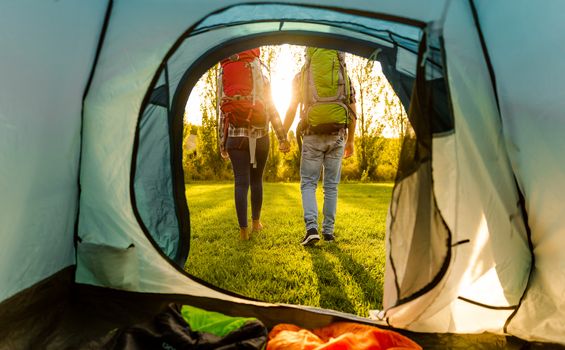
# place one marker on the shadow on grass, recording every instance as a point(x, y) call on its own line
point(371, 287)
point(332, 292)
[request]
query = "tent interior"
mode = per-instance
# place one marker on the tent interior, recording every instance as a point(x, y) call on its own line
point(96, 224)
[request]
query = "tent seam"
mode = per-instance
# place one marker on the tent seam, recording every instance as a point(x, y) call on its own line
point(101, 39)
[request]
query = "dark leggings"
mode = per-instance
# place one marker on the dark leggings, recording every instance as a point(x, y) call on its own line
point(245, 175)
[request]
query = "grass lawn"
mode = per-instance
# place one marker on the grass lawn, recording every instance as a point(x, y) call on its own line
point(346, 275)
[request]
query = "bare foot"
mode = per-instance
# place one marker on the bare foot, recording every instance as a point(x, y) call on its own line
point(257, 226)
point(243, 233)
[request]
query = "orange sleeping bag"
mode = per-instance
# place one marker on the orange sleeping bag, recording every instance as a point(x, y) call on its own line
point(337, 336)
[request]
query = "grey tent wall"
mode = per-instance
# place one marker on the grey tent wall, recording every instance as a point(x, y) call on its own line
point(152, 193)
point(527, 58)
point(153, 182)
point(45, 65)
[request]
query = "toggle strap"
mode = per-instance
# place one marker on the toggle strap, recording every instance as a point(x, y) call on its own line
point(252, 148)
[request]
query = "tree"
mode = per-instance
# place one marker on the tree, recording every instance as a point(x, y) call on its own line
point(289, 169)
point(397, 121)
point(208, 145)
point(210, 164)
point(367, 79)
point(268, 56)
point(397, 117)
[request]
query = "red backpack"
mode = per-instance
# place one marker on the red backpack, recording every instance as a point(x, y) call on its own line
point(242, 88)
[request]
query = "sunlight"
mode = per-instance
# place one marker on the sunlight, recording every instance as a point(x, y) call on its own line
point(281, 81)
point(192, 114)
point(281, 92)
point(284, 69)
point(285, 66)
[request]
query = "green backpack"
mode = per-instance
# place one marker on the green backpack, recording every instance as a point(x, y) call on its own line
point(325, 90)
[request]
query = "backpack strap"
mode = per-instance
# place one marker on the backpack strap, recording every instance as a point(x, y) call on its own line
point(344, 89)
point(304, 94)
point(219, 97)
point(308, 90)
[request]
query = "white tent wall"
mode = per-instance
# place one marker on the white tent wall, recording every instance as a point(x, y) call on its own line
point(475, 190)
point(47, 52)
point(527, 48)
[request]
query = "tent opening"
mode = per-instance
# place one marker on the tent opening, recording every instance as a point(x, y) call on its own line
point(409, 58)
point(345, 276)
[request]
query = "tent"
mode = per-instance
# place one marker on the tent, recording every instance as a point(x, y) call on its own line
point(95, 225)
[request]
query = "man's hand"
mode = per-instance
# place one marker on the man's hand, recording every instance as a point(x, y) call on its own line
point(284, 146)
point(224, 154)
point(349, 147)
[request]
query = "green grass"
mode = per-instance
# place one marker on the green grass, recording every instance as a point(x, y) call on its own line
point(346, 275)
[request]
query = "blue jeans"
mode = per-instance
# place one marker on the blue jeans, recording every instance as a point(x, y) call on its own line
point(320, 151)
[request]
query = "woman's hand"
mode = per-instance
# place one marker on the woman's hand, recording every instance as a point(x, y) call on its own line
point(224, 154)
point(284, 146)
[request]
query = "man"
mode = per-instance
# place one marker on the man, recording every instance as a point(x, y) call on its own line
point(324, 91)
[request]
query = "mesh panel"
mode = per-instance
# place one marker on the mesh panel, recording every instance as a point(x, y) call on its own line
point(419, 239)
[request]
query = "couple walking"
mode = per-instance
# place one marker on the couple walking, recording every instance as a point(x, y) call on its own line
point(326, 99)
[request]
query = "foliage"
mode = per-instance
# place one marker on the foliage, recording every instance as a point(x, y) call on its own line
point(272, 166)
point(289, 168)
point(205, 163)
point(190, 129)
point(346, 275)
point(378, 111)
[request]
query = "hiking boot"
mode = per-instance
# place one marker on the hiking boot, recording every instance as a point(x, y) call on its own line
point(243, 233)
point(328, 237)
point(257, 226)
point(311, 238)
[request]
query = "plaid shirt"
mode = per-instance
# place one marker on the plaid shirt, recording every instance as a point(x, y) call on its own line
point(273, 119)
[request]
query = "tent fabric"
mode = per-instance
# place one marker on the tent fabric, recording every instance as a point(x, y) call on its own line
point(111, 111)
point(418, 235)
point(527, 59)
point(500, 161)
point(478, 198)
point(406, 35)
point(46, 57)
point(152, 183)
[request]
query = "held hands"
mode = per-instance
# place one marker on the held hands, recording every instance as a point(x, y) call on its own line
point(284, 146)
point(349, 148)
point(224, 154)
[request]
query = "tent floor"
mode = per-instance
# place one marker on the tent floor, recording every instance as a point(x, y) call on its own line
point(58, 314)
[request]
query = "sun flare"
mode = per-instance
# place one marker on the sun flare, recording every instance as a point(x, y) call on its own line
point(281, 93)
point(286, 64)
point(283, 71)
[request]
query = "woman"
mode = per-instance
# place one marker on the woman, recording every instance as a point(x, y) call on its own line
point(246, 110)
